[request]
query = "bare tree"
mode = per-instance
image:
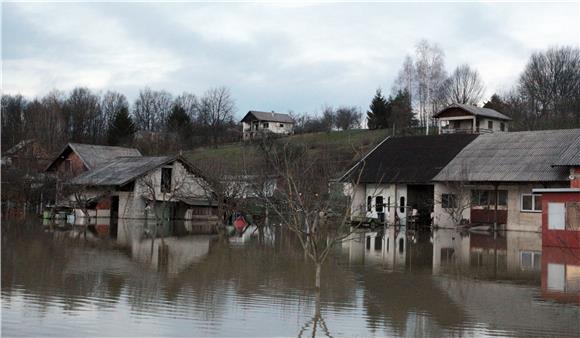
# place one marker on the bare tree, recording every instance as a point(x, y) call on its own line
point(111, 103)
point(151, 109)
point(347, 117)
point(303, 201)
point(551, 83)
point(406, 77)
point(328, 118)
point(217, 108)
point(430, 73)
point(190, 104)
point(82, 111)
point(464, 86)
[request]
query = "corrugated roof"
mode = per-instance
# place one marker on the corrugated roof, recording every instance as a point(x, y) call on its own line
point(409, 159)
point(268, 116)
point(94, 155)
point(526, 156)
point(121, 171)
point(571, 156)
point(477, 111)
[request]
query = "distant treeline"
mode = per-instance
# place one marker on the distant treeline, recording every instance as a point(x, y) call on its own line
point(157, 122)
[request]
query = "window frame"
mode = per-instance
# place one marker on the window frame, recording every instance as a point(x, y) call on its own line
point(490, 124)
point(448, 201)
point(533, 196)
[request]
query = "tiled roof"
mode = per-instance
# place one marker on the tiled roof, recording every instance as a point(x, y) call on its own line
point(408, 159)
point(477, 111)
point(265, 116)
point(526, 156)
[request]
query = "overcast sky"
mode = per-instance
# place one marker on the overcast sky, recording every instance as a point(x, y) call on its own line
point(273, 56)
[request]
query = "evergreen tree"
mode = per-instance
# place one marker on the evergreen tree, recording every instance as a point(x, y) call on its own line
point(401, 111)
point(378, 115)
point(121, 128)
point(179, 122)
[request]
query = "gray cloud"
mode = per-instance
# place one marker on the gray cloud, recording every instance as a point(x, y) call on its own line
point(274, 57)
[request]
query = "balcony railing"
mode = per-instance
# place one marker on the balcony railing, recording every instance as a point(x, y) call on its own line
point(466, 131)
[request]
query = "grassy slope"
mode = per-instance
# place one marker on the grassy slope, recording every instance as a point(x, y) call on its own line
point(345, 146)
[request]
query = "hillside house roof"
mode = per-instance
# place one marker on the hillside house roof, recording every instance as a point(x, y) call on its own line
point(476, 111)
point(408, 159)
point(526, 156)
point(253, 115)
point(93, 155)
point(123, 170)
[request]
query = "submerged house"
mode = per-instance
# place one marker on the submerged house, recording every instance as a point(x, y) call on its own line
point(465, 118)
point(164, 187)
point(256, 123)
point(396, 176)
point(492, 180)
point(77, 158)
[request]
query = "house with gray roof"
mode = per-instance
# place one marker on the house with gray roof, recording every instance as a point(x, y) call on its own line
point(77, 158)
point(492, 179)
point(256, 123)
point(466, 118)
point(159, 188)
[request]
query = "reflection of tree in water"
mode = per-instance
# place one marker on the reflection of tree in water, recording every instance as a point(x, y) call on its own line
point(317, 321)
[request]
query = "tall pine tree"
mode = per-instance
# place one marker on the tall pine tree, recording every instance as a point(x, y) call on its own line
point(121, 128)
point(400, 110)
point(378, 115)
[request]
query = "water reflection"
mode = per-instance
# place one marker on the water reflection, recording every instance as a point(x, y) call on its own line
point(137, 280)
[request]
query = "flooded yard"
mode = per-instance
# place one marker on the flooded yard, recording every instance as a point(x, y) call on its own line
point(120, 282)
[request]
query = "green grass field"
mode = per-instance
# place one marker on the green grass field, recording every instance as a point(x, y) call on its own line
point(341, 142)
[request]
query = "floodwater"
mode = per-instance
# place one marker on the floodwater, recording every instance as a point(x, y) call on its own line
point(120, 282)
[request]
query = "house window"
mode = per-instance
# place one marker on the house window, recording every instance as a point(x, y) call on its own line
point(369, 203)
point(379, 204)
point(490, 125)
point(556, 216)
point(166, 174)
point(531, 203)
point(265, 125)
point(502, 126)
point(402, 203)
point(281, 125)
point(485, 198)
point(448, 201)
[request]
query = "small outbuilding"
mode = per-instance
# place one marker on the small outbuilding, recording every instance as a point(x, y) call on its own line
point(164, 187)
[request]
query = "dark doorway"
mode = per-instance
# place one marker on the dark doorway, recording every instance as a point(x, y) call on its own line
point(420, 197)
point(114, 216)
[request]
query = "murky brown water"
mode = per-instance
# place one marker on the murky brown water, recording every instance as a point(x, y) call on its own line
point(68, 283)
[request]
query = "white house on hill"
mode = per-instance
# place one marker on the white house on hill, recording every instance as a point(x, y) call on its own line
point(468, 119)
point(256, 123)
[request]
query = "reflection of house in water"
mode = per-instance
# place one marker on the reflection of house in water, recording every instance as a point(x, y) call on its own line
point(561, 274)
point(162, 249)
point(516, 256)
point(395, 248)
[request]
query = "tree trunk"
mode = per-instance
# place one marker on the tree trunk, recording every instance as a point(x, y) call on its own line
point(318, 270)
